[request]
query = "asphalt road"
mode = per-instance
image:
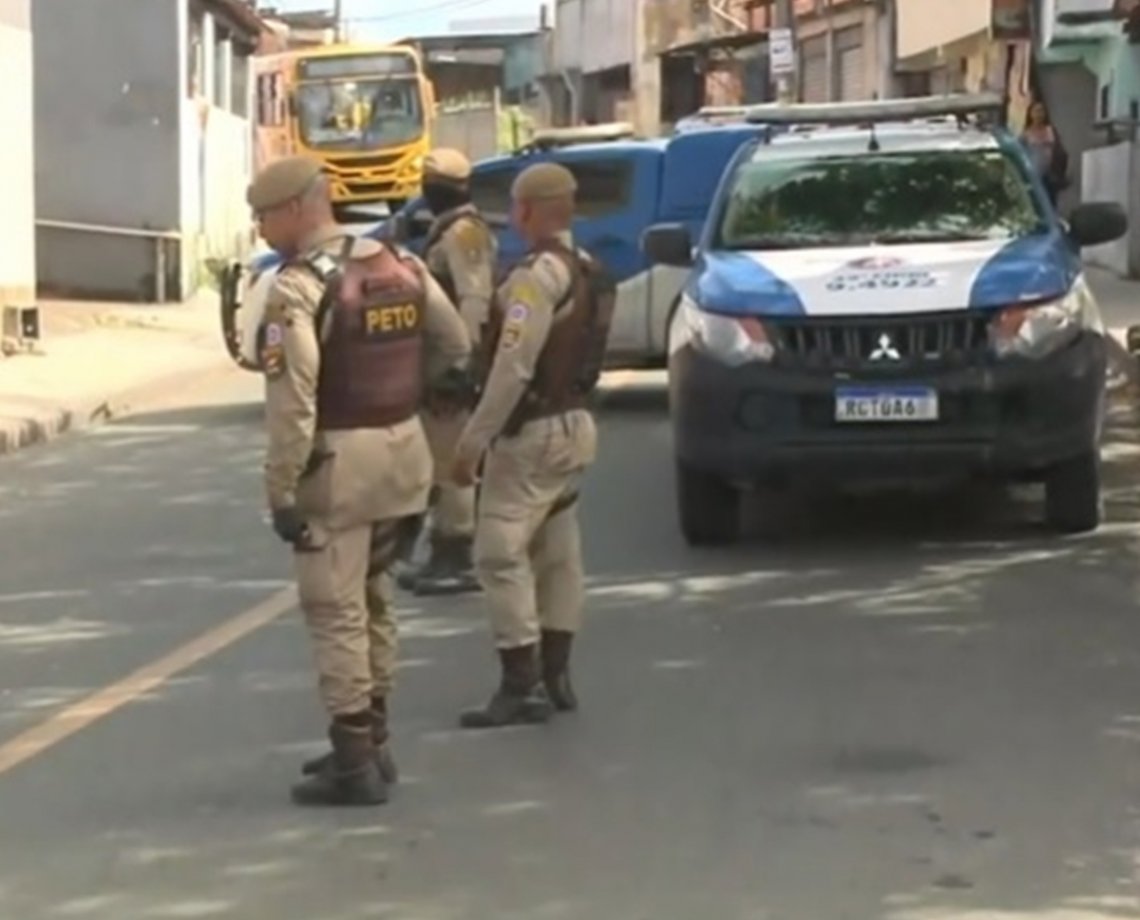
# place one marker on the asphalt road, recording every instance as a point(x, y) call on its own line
point(912, 708)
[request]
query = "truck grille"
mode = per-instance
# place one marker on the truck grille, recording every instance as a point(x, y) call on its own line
point(882, 342)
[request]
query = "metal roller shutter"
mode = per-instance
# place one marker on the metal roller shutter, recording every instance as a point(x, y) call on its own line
point(852, 69)
point(814, 72)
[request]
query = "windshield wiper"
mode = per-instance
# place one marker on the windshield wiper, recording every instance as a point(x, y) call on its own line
point(934, 236)
point(779, 242)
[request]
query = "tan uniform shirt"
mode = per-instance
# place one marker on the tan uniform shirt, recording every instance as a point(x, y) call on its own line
point(528, 296)
point(367, 474)
point(467, 252)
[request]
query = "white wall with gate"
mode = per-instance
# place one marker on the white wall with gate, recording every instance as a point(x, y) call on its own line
point(1110, 174)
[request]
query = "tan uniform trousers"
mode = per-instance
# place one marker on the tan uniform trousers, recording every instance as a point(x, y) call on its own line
point(346, 596)
point(528, 552)
point(453, 514)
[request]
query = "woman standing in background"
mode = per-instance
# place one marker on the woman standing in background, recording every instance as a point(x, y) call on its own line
point(1045, 150)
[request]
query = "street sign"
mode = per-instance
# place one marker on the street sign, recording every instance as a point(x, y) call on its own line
point(781, 53)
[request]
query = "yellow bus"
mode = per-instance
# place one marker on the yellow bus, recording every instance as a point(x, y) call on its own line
point(366, 111)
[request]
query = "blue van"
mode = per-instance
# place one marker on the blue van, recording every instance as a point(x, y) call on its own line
point(624, 186)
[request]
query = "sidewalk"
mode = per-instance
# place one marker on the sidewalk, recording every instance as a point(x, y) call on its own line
point(96, 360)
point(1119, 299)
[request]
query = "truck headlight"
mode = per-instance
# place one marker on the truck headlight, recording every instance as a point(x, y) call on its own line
point(732, 340)
point(1038, 330)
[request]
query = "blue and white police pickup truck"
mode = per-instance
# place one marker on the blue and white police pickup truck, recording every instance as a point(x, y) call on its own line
point(624, 186)
point(884, 295)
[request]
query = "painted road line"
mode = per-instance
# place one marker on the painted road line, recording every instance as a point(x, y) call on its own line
point(102, 703)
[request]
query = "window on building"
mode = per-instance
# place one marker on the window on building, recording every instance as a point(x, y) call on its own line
point(270, 100)
point(220, 92)
point(195, 60)
point(239, 82)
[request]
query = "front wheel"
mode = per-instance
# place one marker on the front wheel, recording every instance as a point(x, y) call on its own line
point(709, 508)
point(1072, 494)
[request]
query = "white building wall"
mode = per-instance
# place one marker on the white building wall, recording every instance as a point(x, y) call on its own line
point(17, 218)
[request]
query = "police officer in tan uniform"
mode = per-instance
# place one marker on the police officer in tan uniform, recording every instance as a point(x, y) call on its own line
point(535, 437)
point(352, 328)
point(460, 252)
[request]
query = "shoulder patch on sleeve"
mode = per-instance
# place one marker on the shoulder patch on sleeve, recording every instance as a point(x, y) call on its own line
point(271, 353)
point(514, 321)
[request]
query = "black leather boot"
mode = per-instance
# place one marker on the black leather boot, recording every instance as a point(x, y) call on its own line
point(449, 570)
point(352, 776)
point(384, 759)
point(556, 644)
point(521, 698)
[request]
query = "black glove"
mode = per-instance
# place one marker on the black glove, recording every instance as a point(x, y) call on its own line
point(453, 391)
point(289, 526)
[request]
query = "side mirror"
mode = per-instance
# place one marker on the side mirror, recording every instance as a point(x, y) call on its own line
point(1096, 223)
point(668, 244)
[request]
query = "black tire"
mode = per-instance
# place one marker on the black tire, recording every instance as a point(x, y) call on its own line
point(1072, 494)
point(709, 508)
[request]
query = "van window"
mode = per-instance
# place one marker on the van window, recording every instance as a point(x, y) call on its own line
point(491, 190)
point(604, 187)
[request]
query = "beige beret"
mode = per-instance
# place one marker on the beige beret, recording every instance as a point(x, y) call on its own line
point(543, 180)
point(282, 181)
point(447, 163)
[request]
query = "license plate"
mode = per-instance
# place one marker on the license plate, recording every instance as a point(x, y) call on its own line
point(894, 404)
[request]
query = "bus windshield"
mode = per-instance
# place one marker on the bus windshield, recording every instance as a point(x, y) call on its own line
point(361, 114)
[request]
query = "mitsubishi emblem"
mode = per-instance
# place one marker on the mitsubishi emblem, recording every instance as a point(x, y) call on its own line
point(885, 350)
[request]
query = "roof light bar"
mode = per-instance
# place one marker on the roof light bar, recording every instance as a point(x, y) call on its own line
point(584, 134)
point(956, 105)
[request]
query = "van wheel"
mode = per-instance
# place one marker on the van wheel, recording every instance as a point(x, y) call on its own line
point(709, 508)
point(1072, 494)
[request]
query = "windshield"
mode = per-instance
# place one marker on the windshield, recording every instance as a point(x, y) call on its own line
point(868, 198)
point(359, 114)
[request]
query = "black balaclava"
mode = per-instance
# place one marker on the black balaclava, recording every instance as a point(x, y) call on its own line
point(442, 197)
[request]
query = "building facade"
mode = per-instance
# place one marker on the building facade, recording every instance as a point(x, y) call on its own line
point(18, 254)
point(653, 62)
point(141, 166)
point(972, 46)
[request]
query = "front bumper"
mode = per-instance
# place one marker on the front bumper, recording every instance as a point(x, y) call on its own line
point(374, 178)
point(763, 424)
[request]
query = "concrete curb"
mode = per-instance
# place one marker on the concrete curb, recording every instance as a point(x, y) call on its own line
point(51, 423)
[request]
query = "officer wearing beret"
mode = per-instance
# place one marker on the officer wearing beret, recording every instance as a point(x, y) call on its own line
point(460, 252)
point(535, 438)
point(347, 462)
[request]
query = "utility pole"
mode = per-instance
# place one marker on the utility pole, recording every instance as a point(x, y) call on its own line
point(338, 19)
point(786, 20)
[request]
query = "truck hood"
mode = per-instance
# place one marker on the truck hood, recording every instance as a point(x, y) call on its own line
point(885, 279)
